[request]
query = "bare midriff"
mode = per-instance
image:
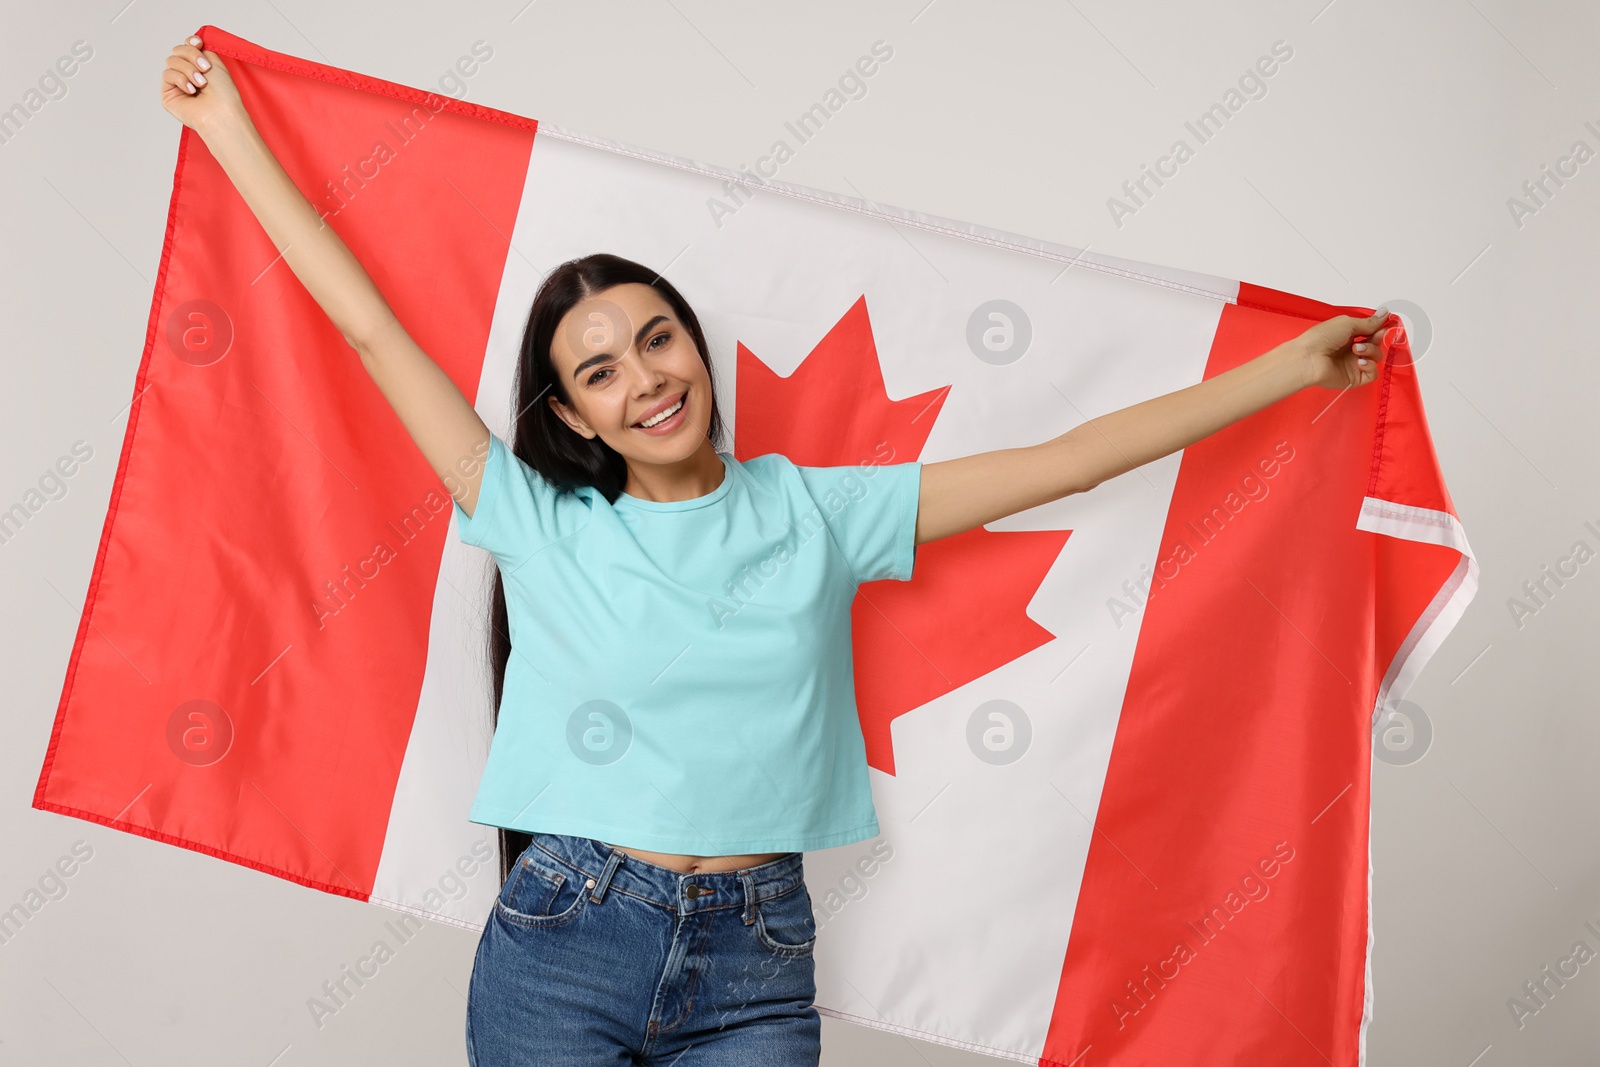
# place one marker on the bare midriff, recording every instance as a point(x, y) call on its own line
point(698, 864)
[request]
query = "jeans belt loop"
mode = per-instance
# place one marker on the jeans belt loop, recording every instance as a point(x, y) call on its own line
point(598, 895)
point(749, 898)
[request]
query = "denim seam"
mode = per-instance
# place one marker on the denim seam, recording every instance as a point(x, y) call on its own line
point(704, 931)
point(565, 917)
point(522, 919)
point(778, 947)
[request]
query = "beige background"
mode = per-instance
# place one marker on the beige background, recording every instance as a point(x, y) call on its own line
point(1377, 166)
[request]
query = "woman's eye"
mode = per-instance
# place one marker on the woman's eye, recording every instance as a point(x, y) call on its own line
point(650, 346)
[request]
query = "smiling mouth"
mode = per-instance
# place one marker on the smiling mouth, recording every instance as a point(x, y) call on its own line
point(665, 414)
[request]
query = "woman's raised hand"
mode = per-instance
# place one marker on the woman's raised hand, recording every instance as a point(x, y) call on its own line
point(196, 88)
point(1344, 351)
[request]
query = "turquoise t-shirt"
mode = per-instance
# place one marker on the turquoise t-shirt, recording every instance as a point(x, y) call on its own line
point(681, 677)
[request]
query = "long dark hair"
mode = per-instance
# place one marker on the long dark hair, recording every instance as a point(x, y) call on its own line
point(548, 445)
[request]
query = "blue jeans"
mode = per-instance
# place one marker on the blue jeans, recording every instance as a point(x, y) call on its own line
point(591, 956)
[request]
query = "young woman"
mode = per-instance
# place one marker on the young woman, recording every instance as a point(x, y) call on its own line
point(644, 950)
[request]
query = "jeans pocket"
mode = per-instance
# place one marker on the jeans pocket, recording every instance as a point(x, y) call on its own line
point(785, 924)
point(543, 891)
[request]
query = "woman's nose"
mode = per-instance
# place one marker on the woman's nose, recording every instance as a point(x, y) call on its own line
point(646, 379)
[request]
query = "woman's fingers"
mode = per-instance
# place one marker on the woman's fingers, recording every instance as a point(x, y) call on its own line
point(193, 55)
point(1365, 333)
point(177, 76)
point(177, 80)
point(185, 69)
point(190, 63)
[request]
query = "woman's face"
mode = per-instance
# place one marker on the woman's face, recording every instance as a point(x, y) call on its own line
point(623, 357)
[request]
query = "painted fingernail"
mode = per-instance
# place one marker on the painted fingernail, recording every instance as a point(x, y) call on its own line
point(1361, 363)
point(203, 63)
point(1381, 311)
point(188, 88)
point(1360, 346)
point(199, 79)
point(194, 40)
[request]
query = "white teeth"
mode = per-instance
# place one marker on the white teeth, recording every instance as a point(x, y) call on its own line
point(663, 416)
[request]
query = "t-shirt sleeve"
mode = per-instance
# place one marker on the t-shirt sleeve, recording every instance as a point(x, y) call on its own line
point(518, 512)
point(871, 512)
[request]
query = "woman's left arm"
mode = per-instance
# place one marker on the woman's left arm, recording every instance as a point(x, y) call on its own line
point(959, 494)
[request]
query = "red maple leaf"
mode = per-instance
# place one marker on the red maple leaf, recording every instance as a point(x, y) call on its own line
point(964, 612)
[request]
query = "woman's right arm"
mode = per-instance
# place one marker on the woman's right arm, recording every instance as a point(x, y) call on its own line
point(197, 89)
